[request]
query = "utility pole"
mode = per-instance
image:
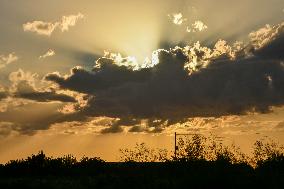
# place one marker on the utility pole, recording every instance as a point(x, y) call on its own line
point(176, 147)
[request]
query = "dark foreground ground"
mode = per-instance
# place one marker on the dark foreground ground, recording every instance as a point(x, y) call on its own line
point(98, 174)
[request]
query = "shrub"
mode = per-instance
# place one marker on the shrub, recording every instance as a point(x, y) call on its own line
point(142, 153)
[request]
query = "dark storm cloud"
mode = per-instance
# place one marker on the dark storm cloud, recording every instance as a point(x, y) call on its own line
point(137, 129)
point(26, 91)
point(113, 129)
point(107, 76)
point(149, 99)
point(167, 92)
point(46, 97)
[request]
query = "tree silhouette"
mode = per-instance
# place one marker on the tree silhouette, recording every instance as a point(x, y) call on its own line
point(201, 162)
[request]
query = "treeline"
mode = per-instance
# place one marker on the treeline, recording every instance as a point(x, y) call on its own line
point(41, 165)
point(199, 162)
point(211, 149)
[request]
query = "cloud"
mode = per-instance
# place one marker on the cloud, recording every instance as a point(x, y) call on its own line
point(31, 116)
point(176, 85)
point(68, 21)
point(112, 129)
point(97, 80)
point(177, 18)
point(38, 102)
point(40, 27)
point(137, 129)
point(268, 42)
point(187, 82)
point(24, 86)
point(34, 107)
point(9, 102)
point(262, 36)
point(7, 59)
point(5, 129)
point(197, 26)
point(47, 28)
point(26, 91)
point(3, 93)
point(20, 75)
point(49, 53)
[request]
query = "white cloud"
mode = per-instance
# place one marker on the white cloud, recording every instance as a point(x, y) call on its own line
point(40, 27)
point(49, 53)
point(7, 59)
point(262, 36)
point(47, 28)
point(19, 76)
point(177, 18)
point(197, 26)
point(265, 35)
point(68, 21)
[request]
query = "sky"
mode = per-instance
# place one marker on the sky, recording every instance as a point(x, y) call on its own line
point(90, 77)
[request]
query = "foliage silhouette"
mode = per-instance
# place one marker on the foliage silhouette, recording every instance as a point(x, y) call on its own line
point(142, 153)
point(209, 148)
point(201, 162)
point(265, 151)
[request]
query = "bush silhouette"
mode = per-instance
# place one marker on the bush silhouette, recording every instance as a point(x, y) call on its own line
point(265, 151)
point(142, 153)
point(195, 148)
point(200, 162)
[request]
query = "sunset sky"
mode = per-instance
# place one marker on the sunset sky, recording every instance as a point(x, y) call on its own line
point(89, 77)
